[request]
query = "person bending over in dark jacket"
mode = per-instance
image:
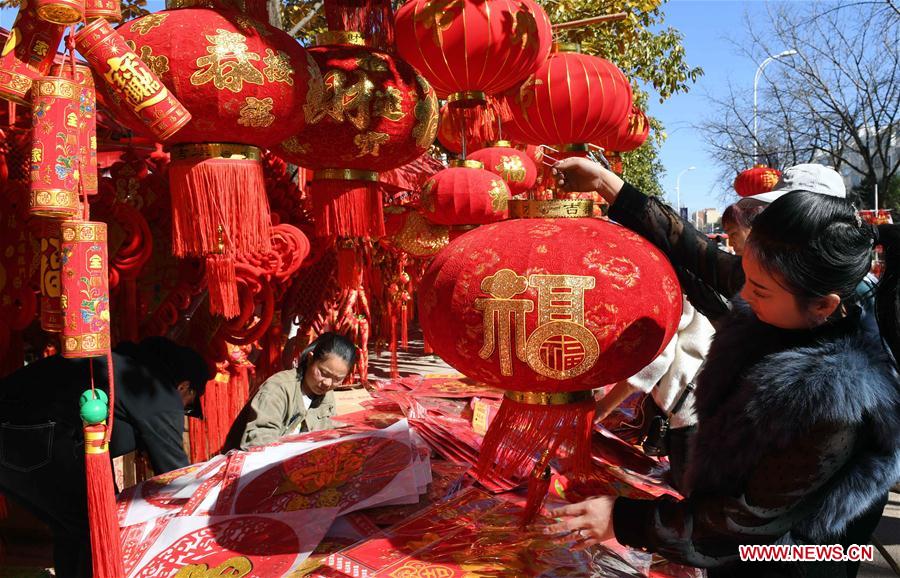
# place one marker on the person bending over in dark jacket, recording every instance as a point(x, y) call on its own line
point(42, 442)
point(798, 404)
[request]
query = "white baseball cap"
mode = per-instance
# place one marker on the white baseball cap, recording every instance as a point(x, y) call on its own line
point(806, 177)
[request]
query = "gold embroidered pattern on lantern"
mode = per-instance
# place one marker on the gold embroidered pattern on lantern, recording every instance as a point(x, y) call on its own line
point(369, 143)
point(560, 347)
point(372, 63)
point(249, 25)
point(336, 100)
point(499, 196)
point(426, 113)
point(257, 113)
point(511, 168)
point(293, 145)
point(228, 63)
point(158, 64)
point(525, 30)
point(426, 197)
point(148, 23)
point(622, 272)
point(389, 104)
point(278, 67)
point(438, 15)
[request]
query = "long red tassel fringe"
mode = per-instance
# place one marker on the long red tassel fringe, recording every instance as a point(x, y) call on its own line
point(221, 280)
point(101, 499)
point(347, 209)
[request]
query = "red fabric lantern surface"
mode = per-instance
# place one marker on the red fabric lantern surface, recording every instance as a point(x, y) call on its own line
point(760, 179)
point(572, 99)
point(630, 135)
point(464, 194)
point(55, 162)
point(548, 308)
point(369, 112)
point(87, 122)
point(47, 234)
point(512, 165)
point(85, 289)
point(27, 54)
point(463, 47)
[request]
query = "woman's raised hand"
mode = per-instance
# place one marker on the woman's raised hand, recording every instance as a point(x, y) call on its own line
point(578, 175)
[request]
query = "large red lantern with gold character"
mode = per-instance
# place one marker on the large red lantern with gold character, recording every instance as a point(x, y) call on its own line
point(514, 166)
point(369, 112)
point(548, 307)
point(760, 179)
point(571, 100)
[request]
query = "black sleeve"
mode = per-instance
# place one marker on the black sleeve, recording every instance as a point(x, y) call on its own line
point(160, 434)
point(708, 275)
point(705, 531)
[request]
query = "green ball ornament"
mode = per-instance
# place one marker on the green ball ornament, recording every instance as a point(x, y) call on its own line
point(94, 410)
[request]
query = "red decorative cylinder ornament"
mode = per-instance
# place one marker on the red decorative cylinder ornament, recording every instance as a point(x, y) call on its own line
point(464, 194)
point(87, 123)
point(512, 165)
point(109, 10)
point(64, 12)
point(572, 99)
point(547, 307)
point(48, 235)
point(27, 54)
point(760, 179)
point(85, 289)
point(55, 163)
point(369, 112)
point(131, 85)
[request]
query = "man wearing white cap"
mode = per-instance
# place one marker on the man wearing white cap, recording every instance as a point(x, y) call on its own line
point(806, 177)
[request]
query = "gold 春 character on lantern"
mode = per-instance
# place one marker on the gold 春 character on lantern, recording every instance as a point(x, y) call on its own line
point(560, 347)
point(228, 64)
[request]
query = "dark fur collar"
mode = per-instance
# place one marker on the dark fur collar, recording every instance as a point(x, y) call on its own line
point(763, 386)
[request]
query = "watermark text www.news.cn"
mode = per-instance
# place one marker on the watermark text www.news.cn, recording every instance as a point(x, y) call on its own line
point(807, 553)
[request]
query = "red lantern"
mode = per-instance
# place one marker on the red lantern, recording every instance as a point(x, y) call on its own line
point(369, 112)
point(245, 82)
point(760, 179)
point(630, 135)
point(55, 163)
point(548, 308)
point(47, 234)
point(85, 289)
point(514, 166)
point(464, 194)
point(472, 50)
point(27, 54)
point(60, 11)
point(573, 99)
point(87, 123)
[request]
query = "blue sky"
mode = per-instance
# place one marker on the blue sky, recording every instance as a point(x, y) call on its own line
point(708, 26)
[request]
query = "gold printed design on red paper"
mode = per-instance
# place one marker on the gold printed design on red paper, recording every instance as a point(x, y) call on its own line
point(338, 100)
point(257, 112)
point(158, 64)
point(278, 67)
point(148, 23)
point(560, 347)
point(419, 569)
point(236, 567)
point(137, 84)
point(228, 64)
point(499, 194)
point(511, 168)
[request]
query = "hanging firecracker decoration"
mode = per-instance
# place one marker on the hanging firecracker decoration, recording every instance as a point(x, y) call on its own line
point(464, 194)
point(760, 179)
point(369, 112)
point(87, 123)
point(244, 81)
point(470, 51)
point(27, 54)
point(571, 100)
point(47, 234)
point(109, 10)
point(85, 289)
point(512, 165)
point(55, 163)
point(132, 87)
point(628, 137)
point(64, 12)
point(547, 306)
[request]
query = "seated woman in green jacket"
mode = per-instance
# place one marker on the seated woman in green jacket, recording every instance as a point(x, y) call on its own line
point(297, 400)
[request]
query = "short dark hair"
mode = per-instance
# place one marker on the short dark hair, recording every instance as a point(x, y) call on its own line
point(743, 213)
point(329, 343)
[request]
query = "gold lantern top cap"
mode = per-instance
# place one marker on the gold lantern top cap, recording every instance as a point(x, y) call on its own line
point(566, 47)
point(501, 143)
point(466, 164)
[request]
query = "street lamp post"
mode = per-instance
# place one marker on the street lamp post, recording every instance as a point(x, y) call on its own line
point(678, 188)
point(759, 70)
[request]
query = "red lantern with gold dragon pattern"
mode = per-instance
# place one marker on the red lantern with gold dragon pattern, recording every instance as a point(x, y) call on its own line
point(760, 179)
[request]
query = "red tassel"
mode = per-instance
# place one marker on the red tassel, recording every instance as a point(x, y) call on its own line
point(523, 430)
point(347, 209)
point(197, 434)
point(106, 551)
point(222, 283)
point(215, 196)
point(349, 269)
point(538, 484)
point(404, 326)
point(395, 366)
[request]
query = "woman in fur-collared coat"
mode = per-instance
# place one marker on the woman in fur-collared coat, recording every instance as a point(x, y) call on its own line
point(799, 402)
